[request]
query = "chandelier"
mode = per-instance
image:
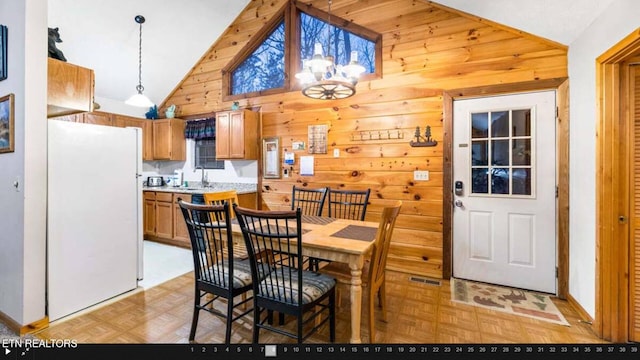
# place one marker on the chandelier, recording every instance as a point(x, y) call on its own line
point(322, 79)
point(139, 99)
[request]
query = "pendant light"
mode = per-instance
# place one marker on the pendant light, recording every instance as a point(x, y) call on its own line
point(322, 79)
point(139, 99)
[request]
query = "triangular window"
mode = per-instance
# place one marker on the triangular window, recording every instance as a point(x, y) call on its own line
point(268, 63)
point(264, 68)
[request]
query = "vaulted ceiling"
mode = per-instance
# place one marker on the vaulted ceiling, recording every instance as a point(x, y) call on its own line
point(102, 34)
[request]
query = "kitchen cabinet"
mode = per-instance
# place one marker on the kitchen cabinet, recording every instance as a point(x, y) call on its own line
point(98, 118)
point(163, 220)
point(168, 139)
point(237, 135)
point(180, 230)
point(70, 88)
point(149, 214)
point(147, 132)
point(72, 118)
point(164, 215)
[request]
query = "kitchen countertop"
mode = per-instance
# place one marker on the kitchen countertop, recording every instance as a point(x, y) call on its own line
point(241, 188)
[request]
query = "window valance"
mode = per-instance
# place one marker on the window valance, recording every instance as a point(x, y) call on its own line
point(201, 129)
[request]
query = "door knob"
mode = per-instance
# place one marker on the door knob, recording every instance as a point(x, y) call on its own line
point(458, 203)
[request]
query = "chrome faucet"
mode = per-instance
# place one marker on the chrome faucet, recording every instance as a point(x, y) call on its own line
point(203, 182)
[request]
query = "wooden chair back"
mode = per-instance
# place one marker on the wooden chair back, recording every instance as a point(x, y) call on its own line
point(381, 246)
point(219, 197)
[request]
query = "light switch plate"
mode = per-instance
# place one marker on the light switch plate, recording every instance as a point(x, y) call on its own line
point(336, 153)
point(421, 175)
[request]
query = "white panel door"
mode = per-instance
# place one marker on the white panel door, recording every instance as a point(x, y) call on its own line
point(504, 218)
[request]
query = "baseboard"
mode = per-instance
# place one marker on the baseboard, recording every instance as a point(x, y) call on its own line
point(11, 324)
point(35, 326)
point(26, 329)
point(584, 315)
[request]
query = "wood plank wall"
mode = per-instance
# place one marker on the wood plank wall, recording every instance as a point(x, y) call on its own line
point(427, 48)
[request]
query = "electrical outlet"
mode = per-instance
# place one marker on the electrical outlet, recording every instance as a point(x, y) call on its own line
point(421, 175)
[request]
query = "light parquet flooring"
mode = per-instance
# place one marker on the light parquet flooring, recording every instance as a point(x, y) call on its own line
point(417, 314)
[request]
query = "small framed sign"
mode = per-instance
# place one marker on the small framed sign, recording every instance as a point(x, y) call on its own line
point(271, 158)
point(3, 51)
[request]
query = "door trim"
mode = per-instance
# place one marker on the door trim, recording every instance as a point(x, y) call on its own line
point(611, 320)
point(561, 85)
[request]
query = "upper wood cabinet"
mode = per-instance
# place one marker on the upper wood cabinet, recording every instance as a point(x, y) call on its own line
point(168, 139)
point(237, 135)
point(70, 88)
point(147, 132)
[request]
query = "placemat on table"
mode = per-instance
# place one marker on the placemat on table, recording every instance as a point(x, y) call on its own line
point(318, 220)
point(357, 232)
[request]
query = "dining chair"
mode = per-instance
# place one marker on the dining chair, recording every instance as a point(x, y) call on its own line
point(284, 287)
point(373, 271)
point(217, 273)
point(310, 201)
point(344, 204)
point(348, 204)
point(219, 197)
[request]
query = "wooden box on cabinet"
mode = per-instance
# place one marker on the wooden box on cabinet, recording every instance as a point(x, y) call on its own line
point(147, 132)
point(237, 135)
point(168, 139)
point(70, 88)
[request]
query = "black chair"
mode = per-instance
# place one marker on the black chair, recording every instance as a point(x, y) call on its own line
point(310, 201)
point(284, 286)
point(348, 204)
point(216, 271)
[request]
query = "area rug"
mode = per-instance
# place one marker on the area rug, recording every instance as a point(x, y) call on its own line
point(509, 300)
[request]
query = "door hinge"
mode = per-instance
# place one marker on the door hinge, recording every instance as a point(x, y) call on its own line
point(556, 272)
point(556, 191)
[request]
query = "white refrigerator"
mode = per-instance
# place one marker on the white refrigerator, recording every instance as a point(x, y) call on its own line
point(94, 214)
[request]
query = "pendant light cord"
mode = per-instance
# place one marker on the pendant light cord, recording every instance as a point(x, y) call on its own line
point(140, 88)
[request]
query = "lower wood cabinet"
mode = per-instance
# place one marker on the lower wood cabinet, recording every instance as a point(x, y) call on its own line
point(163, 220)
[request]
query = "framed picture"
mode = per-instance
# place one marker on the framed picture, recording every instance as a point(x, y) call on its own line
point(3, 52)
point(6, 124)
point(271, 158)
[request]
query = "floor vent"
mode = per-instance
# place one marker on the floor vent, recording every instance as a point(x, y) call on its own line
point(427, 281)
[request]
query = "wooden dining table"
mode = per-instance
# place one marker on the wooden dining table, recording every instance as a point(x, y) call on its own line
point(345, 241)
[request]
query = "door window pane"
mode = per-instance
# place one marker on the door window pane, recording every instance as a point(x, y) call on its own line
point(500, 181)
point(479, 153)
point(521, 152)
point(479, 125)
point(521, 181)
point(500, 124)
point(500, 152)
point(479, 183)
point(521, 122)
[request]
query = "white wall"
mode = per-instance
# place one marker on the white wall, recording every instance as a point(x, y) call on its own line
point(616, 22)
point(23, 209)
